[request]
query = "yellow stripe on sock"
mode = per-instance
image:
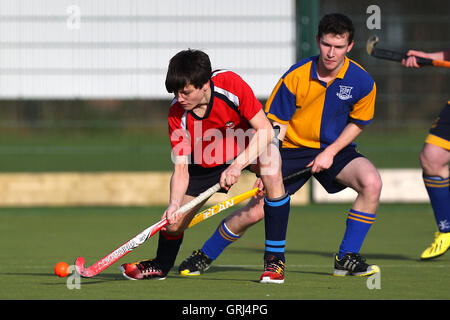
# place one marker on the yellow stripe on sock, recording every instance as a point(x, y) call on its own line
point(436, 185)
point(353, 218)
point(226, 236)
point(436, 181)
point(361, 216)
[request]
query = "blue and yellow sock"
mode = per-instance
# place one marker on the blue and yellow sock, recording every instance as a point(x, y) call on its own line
point(220, 239)
point(276, 215)
point(358, 225)
point(439, 194)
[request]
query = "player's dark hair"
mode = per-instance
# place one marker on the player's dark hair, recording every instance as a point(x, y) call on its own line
point(188, 67)
point(336, 23)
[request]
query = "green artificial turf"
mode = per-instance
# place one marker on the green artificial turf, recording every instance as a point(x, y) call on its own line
point(35, 239)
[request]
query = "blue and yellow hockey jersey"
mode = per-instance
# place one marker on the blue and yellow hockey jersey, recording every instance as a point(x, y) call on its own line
point(317, 112)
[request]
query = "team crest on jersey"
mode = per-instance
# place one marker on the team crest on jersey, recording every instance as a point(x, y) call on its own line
point(229, 125)
point(344, 92)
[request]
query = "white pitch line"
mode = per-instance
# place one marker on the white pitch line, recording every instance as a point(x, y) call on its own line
point(328, 266)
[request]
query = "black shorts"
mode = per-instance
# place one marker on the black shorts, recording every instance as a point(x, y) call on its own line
point(439, 133)
point(201, 179)
point(295, 159)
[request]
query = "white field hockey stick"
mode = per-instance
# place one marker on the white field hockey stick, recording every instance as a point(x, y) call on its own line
point(207, 213)
point(139, 239)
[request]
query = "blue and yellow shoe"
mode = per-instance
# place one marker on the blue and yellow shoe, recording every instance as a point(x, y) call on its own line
point(439, 246)
point(352, 264)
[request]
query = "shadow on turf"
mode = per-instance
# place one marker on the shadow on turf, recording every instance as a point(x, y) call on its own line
point(97, 279)
point(369, 256)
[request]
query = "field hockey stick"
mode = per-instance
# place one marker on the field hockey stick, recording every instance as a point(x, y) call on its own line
point(296, 174)
point(139, 239)
point(399, 56)
point(221, 206)
point(208, 213)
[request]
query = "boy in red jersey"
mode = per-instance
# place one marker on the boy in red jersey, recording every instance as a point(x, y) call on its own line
point(217, 128)
point(321, 105)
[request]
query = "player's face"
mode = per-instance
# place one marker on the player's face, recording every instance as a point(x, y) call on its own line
point(333, 48)
point(190, 97)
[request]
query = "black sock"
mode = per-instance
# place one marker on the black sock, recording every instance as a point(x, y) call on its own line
point(276, 215)
point(168, 247)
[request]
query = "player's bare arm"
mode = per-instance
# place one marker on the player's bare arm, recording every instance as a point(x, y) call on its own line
point(411, 61)
point(282, 127)
point(325, 159)
point(178, 186)
point(259, 142)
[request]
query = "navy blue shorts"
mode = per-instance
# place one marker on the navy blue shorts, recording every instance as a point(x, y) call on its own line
point(441, 126)
point(295, 159)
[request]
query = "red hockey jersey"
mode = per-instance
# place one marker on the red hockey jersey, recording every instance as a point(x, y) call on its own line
point(224, 131)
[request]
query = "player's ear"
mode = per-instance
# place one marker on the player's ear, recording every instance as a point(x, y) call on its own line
point(350, 46)
point(206, 86)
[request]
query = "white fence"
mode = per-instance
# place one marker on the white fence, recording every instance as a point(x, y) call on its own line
point(120, 49)
point(399, 186)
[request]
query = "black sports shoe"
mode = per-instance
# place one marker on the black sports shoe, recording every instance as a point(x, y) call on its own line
point(195, 264)
point(352, 264)
point(147, 269)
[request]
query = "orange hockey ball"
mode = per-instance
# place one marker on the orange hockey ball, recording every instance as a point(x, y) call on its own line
point(62, 269)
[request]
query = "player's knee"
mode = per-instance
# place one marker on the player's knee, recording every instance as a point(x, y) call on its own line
point(273, 179)
point(428, 162)
point(274, 185)
point(434, 160)
point(424, 160)
point(372, 185)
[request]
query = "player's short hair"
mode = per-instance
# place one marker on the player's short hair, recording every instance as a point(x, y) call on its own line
point(188, 67)
point(336, 23)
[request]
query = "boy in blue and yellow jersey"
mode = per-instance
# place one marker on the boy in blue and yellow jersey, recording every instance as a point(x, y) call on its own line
point(434, 159)
point(321, 104)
